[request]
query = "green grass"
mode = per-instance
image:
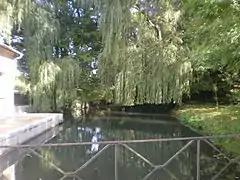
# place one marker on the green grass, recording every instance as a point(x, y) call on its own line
point(209, 120)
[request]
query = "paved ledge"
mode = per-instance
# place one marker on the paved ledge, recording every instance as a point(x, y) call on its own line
point(12, 157)
point(24, 127)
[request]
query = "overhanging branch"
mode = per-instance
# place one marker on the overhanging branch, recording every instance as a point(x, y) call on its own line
point(156, 27)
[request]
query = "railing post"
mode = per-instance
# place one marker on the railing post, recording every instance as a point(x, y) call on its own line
point(116, 161)
point(198, 159)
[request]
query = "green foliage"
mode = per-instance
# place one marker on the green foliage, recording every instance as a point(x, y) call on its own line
point(40, 34)
point(212, 32)
point(143, 57)
point(216, 81)
point(58, 61)
point(12, 12)
point(234, 96)
point(148, 53)
point(210, 120)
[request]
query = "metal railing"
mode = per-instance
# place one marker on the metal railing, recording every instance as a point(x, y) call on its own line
point(126, 144)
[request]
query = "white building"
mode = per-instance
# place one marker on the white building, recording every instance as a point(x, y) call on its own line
point(8, 70)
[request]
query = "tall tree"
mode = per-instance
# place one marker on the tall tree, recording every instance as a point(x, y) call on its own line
point(147, 50)
point(60, 61)
point(212, 31)
point(143, 55)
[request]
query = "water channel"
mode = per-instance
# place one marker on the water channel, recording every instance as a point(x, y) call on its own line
point(129, 165)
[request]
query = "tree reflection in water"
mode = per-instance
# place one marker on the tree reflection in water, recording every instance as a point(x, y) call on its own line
point(129, 165)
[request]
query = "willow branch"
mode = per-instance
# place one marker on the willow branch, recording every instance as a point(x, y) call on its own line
point(155, 26)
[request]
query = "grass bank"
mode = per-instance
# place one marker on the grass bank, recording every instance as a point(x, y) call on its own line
point(209, 120)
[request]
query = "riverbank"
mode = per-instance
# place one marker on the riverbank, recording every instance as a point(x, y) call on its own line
point(210, 120)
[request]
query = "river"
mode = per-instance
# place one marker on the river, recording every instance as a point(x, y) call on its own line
point(129, 165)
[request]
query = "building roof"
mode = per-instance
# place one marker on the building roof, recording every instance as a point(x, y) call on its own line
point(9, 52)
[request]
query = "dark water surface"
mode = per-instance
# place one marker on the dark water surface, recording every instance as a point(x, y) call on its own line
point(129, 166)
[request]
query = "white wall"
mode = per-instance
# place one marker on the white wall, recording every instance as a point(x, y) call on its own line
point(7, 82)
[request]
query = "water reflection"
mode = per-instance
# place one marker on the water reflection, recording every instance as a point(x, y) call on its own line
point(96, 137)
point(129, 165)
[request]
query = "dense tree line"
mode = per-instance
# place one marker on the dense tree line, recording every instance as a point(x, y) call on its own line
point(127, 51)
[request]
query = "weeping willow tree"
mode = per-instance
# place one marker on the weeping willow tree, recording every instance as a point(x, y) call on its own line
point(154, 69)
point(40, 33)
point(143, 58)
point(54, 80)
point(11, 13)
point(51, 82)
point(57, 84)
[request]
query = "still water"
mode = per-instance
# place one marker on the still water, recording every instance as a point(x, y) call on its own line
point(129, 166)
